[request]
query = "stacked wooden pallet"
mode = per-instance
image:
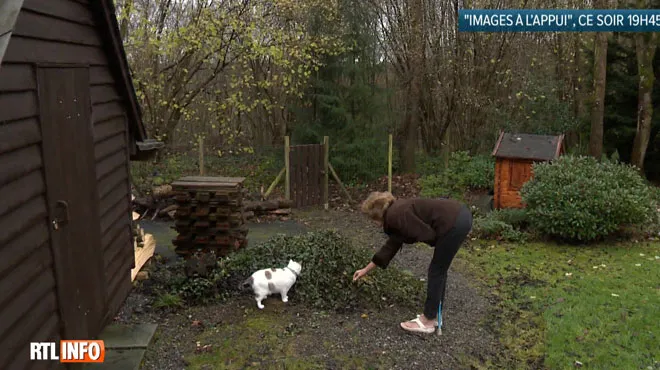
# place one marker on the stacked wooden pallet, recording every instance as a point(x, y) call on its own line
point(209, 217)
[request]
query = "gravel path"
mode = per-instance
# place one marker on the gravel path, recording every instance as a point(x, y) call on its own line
point(464, 315)
point(286, 333)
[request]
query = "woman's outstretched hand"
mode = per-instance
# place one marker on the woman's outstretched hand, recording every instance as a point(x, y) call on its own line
point(361, 272)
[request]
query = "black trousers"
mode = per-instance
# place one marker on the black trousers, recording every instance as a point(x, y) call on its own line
point(443, 255)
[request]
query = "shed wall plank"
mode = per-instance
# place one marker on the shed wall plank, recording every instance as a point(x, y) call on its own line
point(23, 217)
point(41, 329)
point(113, 199)
point(117, 244)
point(17, 77)
point(121, 209)
point(64, 9)
point(110, 163)
point(45, 27)
point(105, 111)
point(42, 286)
point(22, 273)
point(18, 163)
point(119, 225)
point(110, 182)
point(18, 105)
point(28, 297)
point(19, 134)
point(100, 75)
point(25, 50)
point(26, 243)
point(109, 146)
point(104, 94)
point(119, 289)
point(106, 129)
point(119, 276)
point(20, 191)
point(119, 272)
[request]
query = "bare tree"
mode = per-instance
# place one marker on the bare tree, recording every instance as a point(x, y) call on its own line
point(645, 44)
point(416, 67)
point(600, 73)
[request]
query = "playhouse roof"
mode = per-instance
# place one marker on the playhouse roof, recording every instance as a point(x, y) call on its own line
point(528, 146)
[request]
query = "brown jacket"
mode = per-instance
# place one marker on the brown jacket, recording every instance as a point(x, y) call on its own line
point(415, 220)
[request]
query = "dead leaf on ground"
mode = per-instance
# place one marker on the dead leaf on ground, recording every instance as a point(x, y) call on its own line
point(204, 348)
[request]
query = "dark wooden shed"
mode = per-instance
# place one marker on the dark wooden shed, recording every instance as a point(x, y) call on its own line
point(514, 156)
point(69, 122)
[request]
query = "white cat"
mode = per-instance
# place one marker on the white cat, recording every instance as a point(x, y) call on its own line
point(272, 281)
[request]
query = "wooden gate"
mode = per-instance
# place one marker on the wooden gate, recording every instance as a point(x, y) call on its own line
point(306, 174)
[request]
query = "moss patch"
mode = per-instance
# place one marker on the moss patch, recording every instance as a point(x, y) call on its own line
point(274, 339)
point(248, 342)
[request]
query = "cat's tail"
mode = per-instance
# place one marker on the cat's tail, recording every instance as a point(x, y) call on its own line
point(247, 283)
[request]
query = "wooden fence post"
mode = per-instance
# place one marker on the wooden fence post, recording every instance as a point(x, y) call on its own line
point(326, 159)
point(341, 184)
point(275, 182)
point(201, 155)
point(389, 165)
point(287, 177)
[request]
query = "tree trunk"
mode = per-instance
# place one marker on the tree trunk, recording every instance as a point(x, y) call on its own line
point(409, 132)
point(598, 109)
point(127, 10)
point(578, 88)
point(646, 46)
point(163, 8)
point(415, 59)
point(579, 72)
point(600, 73)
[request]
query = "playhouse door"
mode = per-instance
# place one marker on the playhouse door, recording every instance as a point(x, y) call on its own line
point(73, 208)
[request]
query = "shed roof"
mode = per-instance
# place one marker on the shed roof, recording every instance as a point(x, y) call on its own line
point(9, 10)
point(528, 146)
point(106, 20)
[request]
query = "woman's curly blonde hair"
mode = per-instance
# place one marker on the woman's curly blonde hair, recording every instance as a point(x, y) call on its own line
point(376, 204)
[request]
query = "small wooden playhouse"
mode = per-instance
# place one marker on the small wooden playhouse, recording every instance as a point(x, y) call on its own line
point(514, 156)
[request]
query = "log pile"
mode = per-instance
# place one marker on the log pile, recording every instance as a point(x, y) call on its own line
point(209, 215)
point(161, 204)
point(276, 207)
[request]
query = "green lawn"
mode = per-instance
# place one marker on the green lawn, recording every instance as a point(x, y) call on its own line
point(599, 305)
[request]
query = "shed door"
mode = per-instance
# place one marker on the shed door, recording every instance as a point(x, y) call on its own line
point(69, 165)
point(521, 172)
